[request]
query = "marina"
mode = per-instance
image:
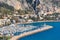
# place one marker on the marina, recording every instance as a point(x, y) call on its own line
point(31, 32)
point(50, 34)
point(22, 30)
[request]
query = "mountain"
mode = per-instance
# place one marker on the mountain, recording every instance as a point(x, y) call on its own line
point(14, 3)
point(30, 4)
point(19, 4)
point(6, 6)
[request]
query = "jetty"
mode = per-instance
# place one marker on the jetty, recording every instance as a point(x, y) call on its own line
point(30, 32)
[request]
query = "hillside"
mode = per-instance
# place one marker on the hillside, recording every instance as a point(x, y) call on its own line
point(29, 4)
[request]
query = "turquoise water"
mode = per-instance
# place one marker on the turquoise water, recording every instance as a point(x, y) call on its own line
point(51, 34)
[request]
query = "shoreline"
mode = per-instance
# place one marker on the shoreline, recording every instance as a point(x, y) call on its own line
point(30, 32)
point(37, 21)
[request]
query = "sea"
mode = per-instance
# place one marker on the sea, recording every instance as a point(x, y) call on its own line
point(51, 34)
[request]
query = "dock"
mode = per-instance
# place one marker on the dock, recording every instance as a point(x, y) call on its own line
point(30, 32)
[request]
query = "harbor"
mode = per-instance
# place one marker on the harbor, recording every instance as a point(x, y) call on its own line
point(22, 30)
point(31, 32)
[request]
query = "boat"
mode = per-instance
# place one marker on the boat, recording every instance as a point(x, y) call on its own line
point(12, 29)
point(45, 25)
point(43, 28)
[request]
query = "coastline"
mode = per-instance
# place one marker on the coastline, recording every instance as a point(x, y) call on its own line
point(30, 32)
point(38, 21)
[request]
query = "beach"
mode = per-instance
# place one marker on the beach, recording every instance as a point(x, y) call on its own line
point(30, 32)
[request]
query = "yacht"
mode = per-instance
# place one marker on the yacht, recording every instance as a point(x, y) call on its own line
point(45, 25)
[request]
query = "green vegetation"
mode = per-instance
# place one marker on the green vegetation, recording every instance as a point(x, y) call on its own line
point(26, 11)
point(4, 5)
point(5, 38)
point(52, 16)
point(5, 11)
